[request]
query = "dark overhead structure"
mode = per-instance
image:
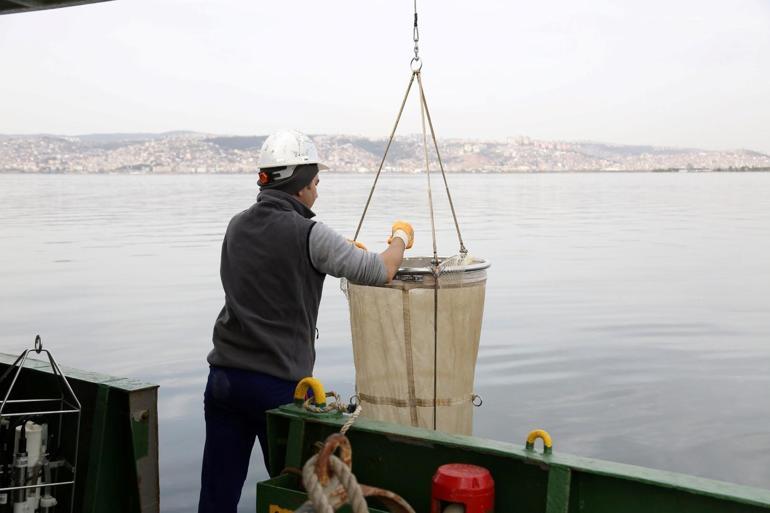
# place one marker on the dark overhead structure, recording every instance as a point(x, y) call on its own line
point(15, 6)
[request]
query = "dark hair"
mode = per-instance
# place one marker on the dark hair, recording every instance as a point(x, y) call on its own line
point(299, 179)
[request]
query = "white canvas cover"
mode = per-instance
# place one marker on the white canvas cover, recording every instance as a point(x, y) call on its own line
point(393, 347)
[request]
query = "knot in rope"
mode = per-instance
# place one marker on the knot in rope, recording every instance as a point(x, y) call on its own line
point(330, 482)
point(343, 480)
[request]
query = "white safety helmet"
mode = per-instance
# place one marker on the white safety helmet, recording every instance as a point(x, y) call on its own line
point(288, 148)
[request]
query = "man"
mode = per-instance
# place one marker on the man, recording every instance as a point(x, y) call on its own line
point(274, 260)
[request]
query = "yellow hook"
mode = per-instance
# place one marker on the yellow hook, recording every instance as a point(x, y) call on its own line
point(544, 436)
point(319, 396)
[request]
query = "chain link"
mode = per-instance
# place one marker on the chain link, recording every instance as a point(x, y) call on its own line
point(416, 64)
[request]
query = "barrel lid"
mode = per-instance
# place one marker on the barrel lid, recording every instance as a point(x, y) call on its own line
point(424, 265)
point(457, 481)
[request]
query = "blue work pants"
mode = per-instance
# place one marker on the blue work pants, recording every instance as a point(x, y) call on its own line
point(235, 402)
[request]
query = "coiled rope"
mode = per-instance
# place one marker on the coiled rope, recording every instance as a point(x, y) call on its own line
point(330, 482)
point(319, 494)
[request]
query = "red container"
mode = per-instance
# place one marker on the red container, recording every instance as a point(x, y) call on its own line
point(469, 485)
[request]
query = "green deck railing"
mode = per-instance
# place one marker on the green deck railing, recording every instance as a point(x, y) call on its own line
point(118, 449)
point(403, 459)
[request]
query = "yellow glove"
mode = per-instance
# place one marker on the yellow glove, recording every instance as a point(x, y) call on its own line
point(359, 245)
point(403, 231)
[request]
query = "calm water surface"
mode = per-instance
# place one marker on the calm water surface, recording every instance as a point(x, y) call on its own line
point(628, 314)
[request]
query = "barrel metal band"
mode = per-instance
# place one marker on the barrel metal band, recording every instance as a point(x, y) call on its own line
point(413, 403)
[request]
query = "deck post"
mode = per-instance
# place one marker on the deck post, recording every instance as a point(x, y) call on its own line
point(557, 497)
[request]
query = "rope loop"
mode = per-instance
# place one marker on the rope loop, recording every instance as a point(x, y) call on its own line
point(333, 442)
point(336, 405)
point(330, 483)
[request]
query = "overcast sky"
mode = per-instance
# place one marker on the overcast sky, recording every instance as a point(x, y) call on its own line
point(684, 73)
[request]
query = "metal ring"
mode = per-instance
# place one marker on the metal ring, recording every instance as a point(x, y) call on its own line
point(38, 344)
point(333, 442)
point(415, 64)
point(474, 397)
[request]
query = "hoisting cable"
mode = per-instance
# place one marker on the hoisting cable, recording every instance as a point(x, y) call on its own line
point(384, 155)
point(416, 63)
point(427, 174)
point(463, 251)
point(416, 67)
point(435, 262)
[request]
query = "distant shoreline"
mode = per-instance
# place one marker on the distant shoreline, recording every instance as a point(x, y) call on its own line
point(402, 173)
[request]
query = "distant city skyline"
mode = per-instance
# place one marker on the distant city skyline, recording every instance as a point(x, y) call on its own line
point(190, 152)
point(688, 74)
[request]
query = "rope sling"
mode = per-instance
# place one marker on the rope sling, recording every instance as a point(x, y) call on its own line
point(436, 266)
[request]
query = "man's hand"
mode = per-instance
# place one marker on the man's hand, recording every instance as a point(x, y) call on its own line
point(403, 231)
point(392, 257)
point(359, 245)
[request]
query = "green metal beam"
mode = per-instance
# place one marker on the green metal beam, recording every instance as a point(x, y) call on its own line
point(93, 463)
point(559, 479)
point(117, 467)
point(403, 459)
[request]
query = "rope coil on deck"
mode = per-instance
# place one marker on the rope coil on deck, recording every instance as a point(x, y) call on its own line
point(311, 405)
point(330, 482)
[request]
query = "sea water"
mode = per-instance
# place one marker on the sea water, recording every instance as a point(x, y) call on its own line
point(627, 314)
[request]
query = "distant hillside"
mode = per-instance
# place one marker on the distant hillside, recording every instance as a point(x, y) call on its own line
point(191, 152)
point(239, 142)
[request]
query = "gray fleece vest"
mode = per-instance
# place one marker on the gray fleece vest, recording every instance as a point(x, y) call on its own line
point(272, 290)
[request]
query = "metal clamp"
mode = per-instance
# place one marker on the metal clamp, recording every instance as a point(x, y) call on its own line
point(354, 402)
point(542, 435)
